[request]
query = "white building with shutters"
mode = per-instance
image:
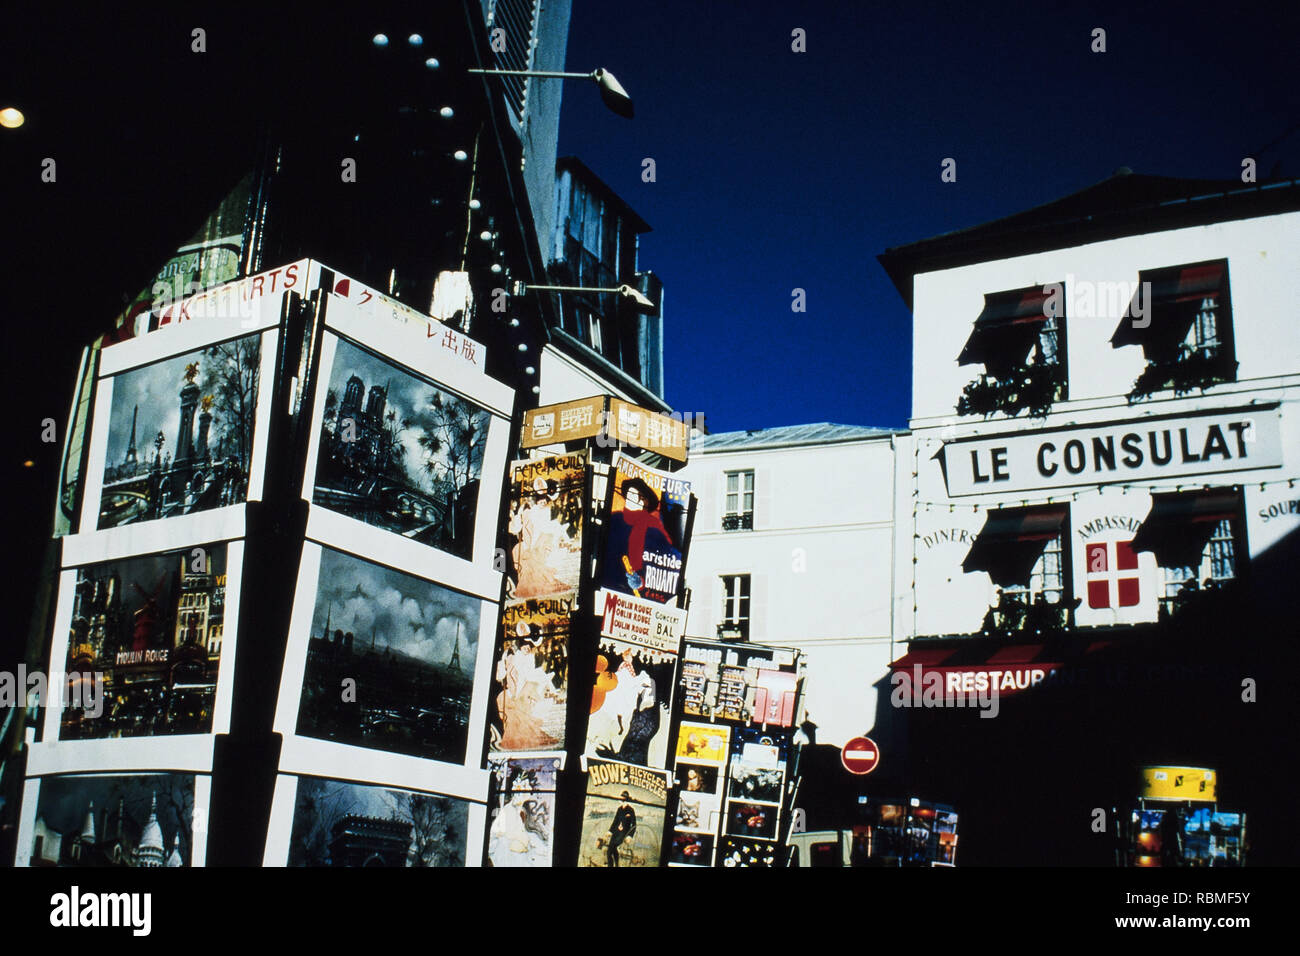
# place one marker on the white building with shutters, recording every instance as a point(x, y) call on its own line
point(1122, 421)
point(795, 544)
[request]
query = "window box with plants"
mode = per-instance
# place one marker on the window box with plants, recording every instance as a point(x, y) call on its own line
point(1031, 388)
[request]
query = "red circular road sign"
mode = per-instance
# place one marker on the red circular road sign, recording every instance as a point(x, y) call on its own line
point(860, 755)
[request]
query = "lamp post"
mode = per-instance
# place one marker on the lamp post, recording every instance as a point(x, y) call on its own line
point(638, 301)
point(611, 91)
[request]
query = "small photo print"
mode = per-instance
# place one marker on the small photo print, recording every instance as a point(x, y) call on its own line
point(697, 778)
point(349, 824)
point(118, 820)
point(691, 849)
point(180, 434)
point(399, 453)
point(390, 661)
point(706, 743)
point(151, 629)
point(752, 782)
point(751, 820)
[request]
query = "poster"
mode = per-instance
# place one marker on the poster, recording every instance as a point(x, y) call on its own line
point(647, 525)
point(397, 452)
point(547, 501)
point(389, 662)
point(114, 820)
point(152, 628)
point(632, 694)
point(180, 433)
point(623, 818)
point(530, 688)
point(523, 809)
point(340, 824)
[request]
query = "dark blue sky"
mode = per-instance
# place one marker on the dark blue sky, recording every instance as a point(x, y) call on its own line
point(778, 170)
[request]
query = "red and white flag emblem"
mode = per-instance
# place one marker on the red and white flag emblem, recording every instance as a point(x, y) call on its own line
point(1112, 574)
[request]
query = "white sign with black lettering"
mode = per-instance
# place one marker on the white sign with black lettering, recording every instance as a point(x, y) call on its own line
point(1148, 449)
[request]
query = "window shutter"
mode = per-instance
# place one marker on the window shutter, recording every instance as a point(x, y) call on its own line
point(762, 499)
point(704, 510)
point(758, 603)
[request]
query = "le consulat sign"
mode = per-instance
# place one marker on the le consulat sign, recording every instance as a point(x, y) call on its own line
point(1147, 449)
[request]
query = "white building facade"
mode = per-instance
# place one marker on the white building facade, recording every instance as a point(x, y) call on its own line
point(1124, 495)
point(795, 544)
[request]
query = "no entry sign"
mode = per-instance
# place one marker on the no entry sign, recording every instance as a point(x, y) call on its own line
point(860, 755)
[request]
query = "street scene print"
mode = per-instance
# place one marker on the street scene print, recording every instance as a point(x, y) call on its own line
point(390, 661)
point(180, 434)
point(530, 683)
point(645, 540)
point(116, 820)
point(623, 818)
point(547, 498)
point(151, 627)
point(523, 810)
point(399, 453)
point(340, 824)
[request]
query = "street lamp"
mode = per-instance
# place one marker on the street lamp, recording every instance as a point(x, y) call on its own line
point(611, 91)
point(637, 300)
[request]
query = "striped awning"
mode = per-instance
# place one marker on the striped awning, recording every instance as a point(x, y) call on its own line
point(1179, 292)
point(1007, 327)
point(1012, 540)
point(1179, 525)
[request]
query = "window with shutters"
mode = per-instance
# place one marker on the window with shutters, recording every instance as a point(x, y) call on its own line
point(1182, 318)
point(1019, 338)
point(738, 514)
point(1197, 538)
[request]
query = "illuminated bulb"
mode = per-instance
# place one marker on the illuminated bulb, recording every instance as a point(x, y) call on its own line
point(461, 155)
point(531, 370)
point(496, 267)
point(380, 40)
point(537, 390)
point(475, 204)
point(523, 347)
point(415, 39)
point(431, 63)
point(11, 118)
point(514, 323)
point(447, 111)
point(486, 235)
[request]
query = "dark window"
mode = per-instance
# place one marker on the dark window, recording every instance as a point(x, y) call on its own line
point(735, 608)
